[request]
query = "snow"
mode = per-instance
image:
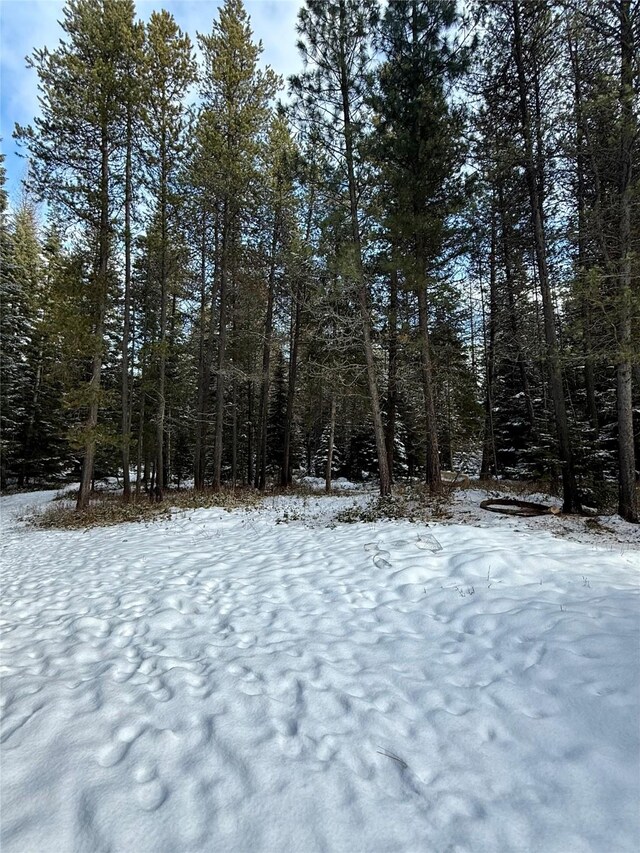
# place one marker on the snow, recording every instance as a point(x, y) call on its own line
point(317, 484)
point(266, 680)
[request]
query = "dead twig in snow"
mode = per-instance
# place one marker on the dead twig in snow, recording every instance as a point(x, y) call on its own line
point(395, 758)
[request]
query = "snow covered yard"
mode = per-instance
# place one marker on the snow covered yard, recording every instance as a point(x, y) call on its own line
point(223, 682)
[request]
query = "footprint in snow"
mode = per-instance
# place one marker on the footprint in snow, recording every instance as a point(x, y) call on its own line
point(428, 542)
point(380, 562)
point(113, 753)
point(379, 555)
point(151, 795)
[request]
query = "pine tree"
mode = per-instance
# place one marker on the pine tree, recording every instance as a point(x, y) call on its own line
point(280, 161)
point(27, 276)
point(169, 71)
point(236, 97)
point(300, 273)
point(499, 222)
point(72, 144)
point(12, 331)
point(335, 45)
point(133, 92)
point(33, 428)
point(419, 146)
point(601, 44)
point(628, 134)
point(530, 129)
point(277, 413)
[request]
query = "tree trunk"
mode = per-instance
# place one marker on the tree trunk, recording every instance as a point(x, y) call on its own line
point(363, 293)
point(198, 451)
point(249, 432)
point(585, 307)
point(263, 412)
point(512, 308)
point(489, 455)
point(286, 477)
point(234, 431)
point(140, 442)
point(627, 495)
point(332, 431)
point(571, 501)
point(126, 410)
point(158, 492)
point(222, 341)
point(420, 257)
point(433, 476)
point(392, 388)
point(102, 270)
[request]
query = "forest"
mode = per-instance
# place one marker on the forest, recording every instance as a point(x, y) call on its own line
point(419, 254)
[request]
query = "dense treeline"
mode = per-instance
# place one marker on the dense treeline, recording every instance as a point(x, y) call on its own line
point(426, 258)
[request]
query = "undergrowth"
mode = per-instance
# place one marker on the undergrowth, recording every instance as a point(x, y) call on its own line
point(106, 509)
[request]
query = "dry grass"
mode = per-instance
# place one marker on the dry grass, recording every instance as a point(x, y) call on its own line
point(106, 509)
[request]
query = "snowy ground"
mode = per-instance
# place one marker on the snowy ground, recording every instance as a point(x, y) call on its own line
point(223, 682)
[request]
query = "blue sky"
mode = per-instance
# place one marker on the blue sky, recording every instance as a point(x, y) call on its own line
point(27, 24)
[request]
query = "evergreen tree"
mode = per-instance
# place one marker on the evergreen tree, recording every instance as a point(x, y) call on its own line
point(236, 97)
point(280, 157)
point(273, 294)
point(277, 413)
point(133, 94)
point(419, 146)
point(336, 50)
point(33, 430)
point(27, 277)
point(12, 331)
point(72, 144)
point(169, 71)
